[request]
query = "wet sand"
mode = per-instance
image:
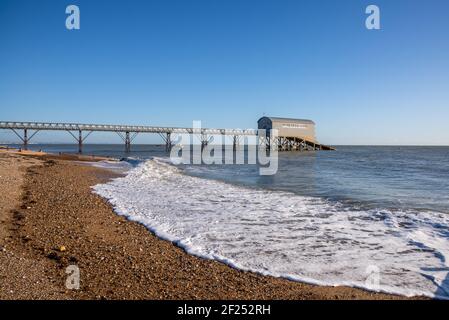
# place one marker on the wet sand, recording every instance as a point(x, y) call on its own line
point(50, 219)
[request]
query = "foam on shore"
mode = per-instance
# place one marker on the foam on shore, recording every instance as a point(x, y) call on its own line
point(287, 235)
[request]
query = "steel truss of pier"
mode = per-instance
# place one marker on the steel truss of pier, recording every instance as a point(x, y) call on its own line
point(127, 133)
point(291, 144)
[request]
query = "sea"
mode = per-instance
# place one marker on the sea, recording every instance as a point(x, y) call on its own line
point(372, 217)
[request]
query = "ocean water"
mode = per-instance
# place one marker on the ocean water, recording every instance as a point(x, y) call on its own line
point(369, 217)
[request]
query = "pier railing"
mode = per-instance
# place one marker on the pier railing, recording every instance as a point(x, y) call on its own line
point(127, 133)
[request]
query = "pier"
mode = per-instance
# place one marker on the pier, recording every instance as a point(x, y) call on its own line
point(25, 131)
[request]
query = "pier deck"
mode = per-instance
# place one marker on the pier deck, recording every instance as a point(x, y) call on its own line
point(128, 132)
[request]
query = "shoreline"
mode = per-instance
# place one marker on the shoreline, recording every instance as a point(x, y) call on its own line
point(54, 156)
point(118, 258)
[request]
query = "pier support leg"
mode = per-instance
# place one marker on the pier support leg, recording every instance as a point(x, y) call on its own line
point(25, 139)
point(204, 141)
point(168, 144)
point(80, 141)
point(263, 141)
point(268, 143)
point(127, 138)
point(127, 142)
point(235, 141)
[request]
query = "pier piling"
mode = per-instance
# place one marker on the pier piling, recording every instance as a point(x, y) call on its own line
point(25, 139)
point(204, 140)
point(127, 142)
point(168, 143)
point(80, 141)
point(235, 141)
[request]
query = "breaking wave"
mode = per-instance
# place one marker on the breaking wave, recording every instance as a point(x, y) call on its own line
point(283, 234)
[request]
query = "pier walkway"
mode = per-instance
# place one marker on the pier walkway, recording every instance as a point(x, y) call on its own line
point(127, 133)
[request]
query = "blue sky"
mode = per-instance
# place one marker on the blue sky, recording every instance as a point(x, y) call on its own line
point(227, 63)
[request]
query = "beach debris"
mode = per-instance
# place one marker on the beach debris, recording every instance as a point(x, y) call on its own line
point(62, 248)
point(53, 256)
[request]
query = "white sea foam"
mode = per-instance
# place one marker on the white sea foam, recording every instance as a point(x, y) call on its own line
point(283, 234)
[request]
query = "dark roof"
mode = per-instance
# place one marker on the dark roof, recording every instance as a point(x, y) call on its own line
point(288, 120)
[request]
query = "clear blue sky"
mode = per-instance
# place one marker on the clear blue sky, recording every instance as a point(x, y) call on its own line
point(227, 63)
